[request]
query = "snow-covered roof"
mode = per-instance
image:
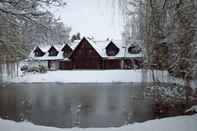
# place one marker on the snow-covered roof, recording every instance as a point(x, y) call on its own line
point(74, 44)
point(99, 46)
point(45, 49)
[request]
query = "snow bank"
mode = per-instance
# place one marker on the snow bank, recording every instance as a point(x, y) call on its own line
point(181, 123)
point(192, 109)
point(165, 77)
point(83, 76)
point(100, 76)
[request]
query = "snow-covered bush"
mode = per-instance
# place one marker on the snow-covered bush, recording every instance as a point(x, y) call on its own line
point(24, 68)
point(170, 100)
point(166, 92)
point(42, 69)
point(34, 69)
point(38, 69)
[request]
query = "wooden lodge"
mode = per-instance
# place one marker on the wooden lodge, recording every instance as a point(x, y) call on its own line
point(88, 54)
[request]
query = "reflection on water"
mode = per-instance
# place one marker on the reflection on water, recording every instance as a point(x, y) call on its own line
point(8, 71)
point(69, 105)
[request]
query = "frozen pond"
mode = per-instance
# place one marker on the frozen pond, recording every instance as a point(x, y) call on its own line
point(70, 105)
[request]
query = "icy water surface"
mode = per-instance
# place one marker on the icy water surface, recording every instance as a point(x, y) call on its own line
point(70, 105)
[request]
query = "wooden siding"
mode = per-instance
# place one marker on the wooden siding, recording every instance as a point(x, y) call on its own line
point(112, 64)
point(129, 64)
point(86, 57)
point(135, 63)
point(66, 65)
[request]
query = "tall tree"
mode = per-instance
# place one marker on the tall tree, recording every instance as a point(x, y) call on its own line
point(134, 27)
point(54, 32)
point(75, 37)
point(170, 37)
point(14, 16)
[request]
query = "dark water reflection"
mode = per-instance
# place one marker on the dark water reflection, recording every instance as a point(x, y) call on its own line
point(69, 105)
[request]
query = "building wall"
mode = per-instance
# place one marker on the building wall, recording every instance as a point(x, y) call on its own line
point(135, 63)
point(92, 63)
point(132, 63)
point(112, 64)
point(66, 65)
point(129, 64)
point(86, 57)
point(53, 65)
point(104, 64)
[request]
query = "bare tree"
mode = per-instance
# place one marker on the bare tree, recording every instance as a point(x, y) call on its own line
point(17, 18)
point(170, 37)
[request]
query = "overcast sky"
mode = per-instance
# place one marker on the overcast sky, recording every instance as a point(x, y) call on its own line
point(97, 18)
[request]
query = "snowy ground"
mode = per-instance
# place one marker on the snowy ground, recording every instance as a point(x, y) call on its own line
point(99, 76)
point(192, 109)
point(83, 76)
point(181, 123)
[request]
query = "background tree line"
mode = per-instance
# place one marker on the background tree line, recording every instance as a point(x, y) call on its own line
point(168, 29)
point(169, 33)
point(26, 23)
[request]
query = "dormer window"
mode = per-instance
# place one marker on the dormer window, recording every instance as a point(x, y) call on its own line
point(66, 51)
point(52, 51)
point(112, 49)
point(38, 52)
point(133, 49)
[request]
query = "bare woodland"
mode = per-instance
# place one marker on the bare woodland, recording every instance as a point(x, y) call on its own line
point(26, 23)
point(166, 27)
point(169, 34)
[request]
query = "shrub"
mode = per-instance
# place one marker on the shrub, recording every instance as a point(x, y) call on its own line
point(34, 69)
point(42, 69)
point(24, 68)
point(38, 69)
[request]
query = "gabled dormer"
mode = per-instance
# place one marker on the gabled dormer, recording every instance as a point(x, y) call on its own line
point(38, 52)
point(112, 49)
point(66, 50)
point(53, 51)
point(134, 49)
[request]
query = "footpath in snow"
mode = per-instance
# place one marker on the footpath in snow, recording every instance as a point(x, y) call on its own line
point(181, 123)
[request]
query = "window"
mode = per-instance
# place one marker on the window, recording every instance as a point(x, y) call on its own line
point(134, 49)
point(53, 52)
point(112, 49)
point(38, 52)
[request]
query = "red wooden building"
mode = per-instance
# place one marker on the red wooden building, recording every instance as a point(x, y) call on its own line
point(89, 54)
point(85, 56)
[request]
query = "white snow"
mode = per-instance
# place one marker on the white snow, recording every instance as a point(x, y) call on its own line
point(99, 46)
point(100, 76)
point(46, 56)
point(192, 109)
point(82, 76)
point(165, 77)
point(181, 123)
